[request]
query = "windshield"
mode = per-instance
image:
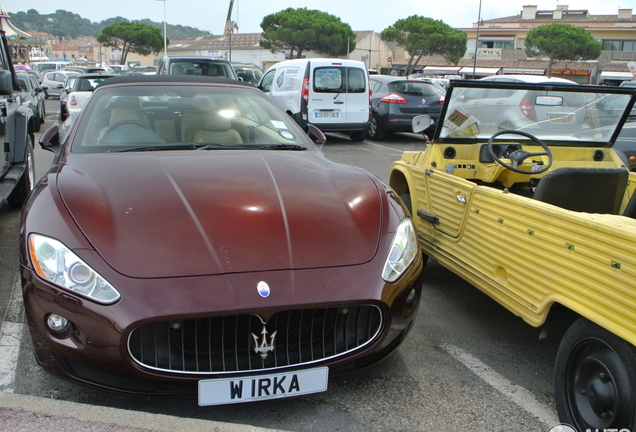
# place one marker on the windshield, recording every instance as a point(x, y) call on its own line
point(172, 117)
point(562, 114)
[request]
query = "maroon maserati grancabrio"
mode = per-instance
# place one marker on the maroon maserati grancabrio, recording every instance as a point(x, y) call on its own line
point(190, 237)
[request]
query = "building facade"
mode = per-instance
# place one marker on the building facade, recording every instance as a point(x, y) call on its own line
point(498, 46)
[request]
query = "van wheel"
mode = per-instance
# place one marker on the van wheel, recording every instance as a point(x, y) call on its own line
point(595, 379)
point(376, 133)
point(358, 136)
point(26, 182)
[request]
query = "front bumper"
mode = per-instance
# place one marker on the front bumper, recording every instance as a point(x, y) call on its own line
point(98, 353)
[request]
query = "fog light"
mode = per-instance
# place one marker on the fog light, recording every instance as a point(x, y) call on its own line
point(411, 296)
point(57, 323)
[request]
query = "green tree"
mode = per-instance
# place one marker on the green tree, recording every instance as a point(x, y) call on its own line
point(421, 36)
point(132, 37)
point(299, 30)
point(560, 41)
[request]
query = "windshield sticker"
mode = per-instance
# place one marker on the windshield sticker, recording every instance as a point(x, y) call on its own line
point(461, 124)
point(286, 134)
point(278, 124)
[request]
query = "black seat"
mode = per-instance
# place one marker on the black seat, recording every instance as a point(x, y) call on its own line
point(590, 190)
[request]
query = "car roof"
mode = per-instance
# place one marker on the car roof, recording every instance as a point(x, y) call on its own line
point(196, 58)
point(173, 79)
point(95, 75)
point(391, 78)
point(528, 79)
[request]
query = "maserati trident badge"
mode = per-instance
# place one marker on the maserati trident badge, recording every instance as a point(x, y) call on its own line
point(263, 347)
point(263, 289)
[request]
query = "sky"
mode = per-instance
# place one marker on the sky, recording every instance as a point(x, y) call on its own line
point(375, 15)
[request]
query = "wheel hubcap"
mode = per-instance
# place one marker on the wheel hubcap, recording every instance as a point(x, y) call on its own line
point(600, 384)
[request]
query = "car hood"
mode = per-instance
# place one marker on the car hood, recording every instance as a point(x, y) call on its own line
point(170, 214)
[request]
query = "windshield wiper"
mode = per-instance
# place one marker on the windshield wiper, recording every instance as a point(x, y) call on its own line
point(221, 146)
point(189, 146)
point(282, 147)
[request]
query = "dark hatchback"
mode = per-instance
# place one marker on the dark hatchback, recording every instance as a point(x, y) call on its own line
point(396, 100)
point(191, 237)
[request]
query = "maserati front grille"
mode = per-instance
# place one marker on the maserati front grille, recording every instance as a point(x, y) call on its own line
point(241, 343)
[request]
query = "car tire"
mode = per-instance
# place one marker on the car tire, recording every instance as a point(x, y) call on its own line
point(63, 114)
point(376, 133)
point(25, 184)
point(595, 379)
point(358, 136)
point(42, 113)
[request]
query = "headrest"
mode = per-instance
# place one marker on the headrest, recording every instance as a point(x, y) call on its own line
point(125, 113)
point(131, 102)
point(213, 121)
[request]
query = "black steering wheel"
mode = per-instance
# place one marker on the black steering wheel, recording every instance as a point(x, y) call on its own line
point(518, 156)
point(127, 122)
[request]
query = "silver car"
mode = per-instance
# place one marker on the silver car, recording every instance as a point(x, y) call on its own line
point(55, 81)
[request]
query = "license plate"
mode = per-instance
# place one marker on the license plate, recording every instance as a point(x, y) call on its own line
point(563, 118)
point(260, 387)
point(327, 114)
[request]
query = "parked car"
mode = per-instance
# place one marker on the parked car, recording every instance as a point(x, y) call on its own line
point(169, 250)
point(249, 73)
point(442, 82)
point(49, 66)
point(530, 79)
point(396, 100)
point(119, 69)
point(17, 166)
point(196, 66)
point(543, 220)
point(55, 81)
point(527, 111)
point(78, 89)
point(143, 70)
point(32, 96)
point(100, 70)
point(332, 94)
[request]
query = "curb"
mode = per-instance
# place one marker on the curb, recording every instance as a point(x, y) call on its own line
point(35, 414)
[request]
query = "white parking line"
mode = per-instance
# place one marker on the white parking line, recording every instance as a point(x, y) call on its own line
point(10, 338)
point(517, 394)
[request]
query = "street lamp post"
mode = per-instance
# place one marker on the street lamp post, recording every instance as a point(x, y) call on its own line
point(165, 37)
point(477, 40)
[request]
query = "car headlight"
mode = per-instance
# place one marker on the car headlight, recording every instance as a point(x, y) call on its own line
point(403, 251)
point(56, 263)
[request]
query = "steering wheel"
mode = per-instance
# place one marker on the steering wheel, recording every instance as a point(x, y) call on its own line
point(518, 156)
point(127, 122)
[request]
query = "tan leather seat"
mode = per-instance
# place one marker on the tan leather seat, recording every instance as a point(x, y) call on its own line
point(127, 108)
point(216, 130)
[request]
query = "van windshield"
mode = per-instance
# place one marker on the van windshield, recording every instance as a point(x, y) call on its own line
point(339, 79)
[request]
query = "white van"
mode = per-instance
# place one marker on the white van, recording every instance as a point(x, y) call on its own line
point(332, 94)
point(48, 66)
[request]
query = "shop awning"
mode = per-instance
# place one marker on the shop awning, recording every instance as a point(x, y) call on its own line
point(617, 75)
point(441, 70)
point(468, 70)
point(524, 71)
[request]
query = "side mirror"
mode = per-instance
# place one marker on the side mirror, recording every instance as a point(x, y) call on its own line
point(6, 82)
point(420, 123)
point(50, 139)
point(316, 135)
